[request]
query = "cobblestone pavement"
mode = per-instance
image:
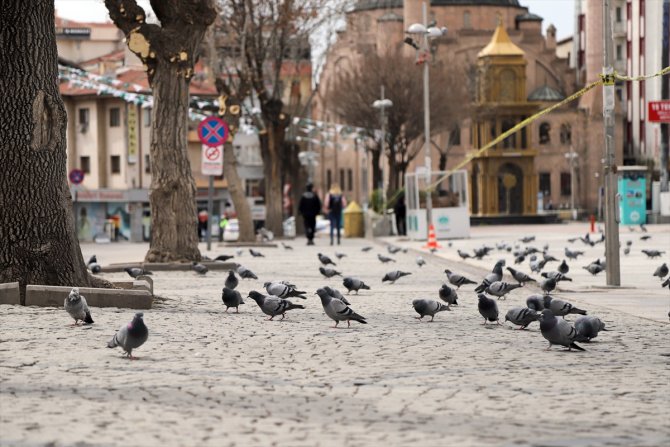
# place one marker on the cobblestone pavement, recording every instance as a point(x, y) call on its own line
point(210, 378)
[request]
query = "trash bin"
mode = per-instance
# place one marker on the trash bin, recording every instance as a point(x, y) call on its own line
point(353, 221)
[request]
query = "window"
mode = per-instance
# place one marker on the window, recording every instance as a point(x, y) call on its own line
point(510, 141)
point(146, 117)
point(455, 136)
point(466, 20)
point(83, 115)
point(566, 184)
point(545, 184)
point(342, 178)
point(114, 117)
point(350, 179)
point(329, 178)
point(619, 52)
point(566, 134)
point(147, 163)
point(85, 164)
point(544, 133)
point(619, 15)
point(115, 161)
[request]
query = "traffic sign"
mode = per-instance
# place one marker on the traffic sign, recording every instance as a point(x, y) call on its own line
point(213, 131)
point(76, 176)
point(659, 111)
point(211, 161)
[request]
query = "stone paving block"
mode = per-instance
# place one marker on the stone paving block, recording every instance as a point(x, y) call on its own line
point(53, 296)
point(137, 284)
point(9, 293)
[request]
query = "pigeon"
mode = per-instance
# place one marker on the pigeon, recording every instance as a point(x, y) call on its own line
point(570, 254)
point(643, 228)
point(661, 271)
point(328, 272)
point(420, 261)
point(588, 327)
point(385, 259)
point(527, 239)
point(487, 308)
point(626, 251)
point(666, 283)
point(481, 252)
point(548, 285)
point(199, 268)
point(645, 237)
point(75, 305)
point(495, 275)
point(653, 253)
point(130, 336)
point(501, 288)
point(458, 280)
point(92, 260)
point(521, 316)
point(558, 276)
point(519, 259)
point(337, 310)
point(245, 273)
point(428, 307)
point(394, 276)
point(448, 295)
point(535, 302)
point(137, 271)
point(283, 290)
point(462, 254)
point(558, 332)
point(537, 265)
point(563, 267)
point(231, 280)
point(93, 265)
point(561, 308)
point(231, 298)
point(339, 255)
point(393, 249)
point(548, 258)
point(334, 293)
point(256, 254)
point(239, 252)
point(368, 248)
point(223, 258)
point(325, 260)
point(356, 284)
point(521, 277)
point(629, 243)
point(286, 246)
point(594, 268)
point(273, 305)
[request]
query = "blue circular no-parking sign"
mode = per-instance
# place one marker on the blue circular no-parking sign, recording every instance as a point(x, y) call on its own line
point(213, 131)
point(76, 176)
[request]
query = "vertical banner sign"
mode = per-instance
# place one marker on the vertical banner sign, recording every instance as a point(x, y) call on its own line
point(212, 160)
point(131, 110)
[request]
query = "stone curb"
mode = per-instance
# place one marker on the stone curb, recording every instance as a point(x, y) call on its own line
point(53, 296)
point(9, 293)
point(168, 266)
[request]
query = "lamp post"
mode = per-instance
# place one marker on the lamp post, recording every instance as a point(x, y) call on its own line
point(382, 104)
point(572, 159)
point(428, 33)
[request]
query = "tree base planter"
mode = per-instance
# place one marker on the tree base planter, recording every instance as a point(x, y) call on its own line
point(168, 267)
point(54, 296)
point(9, 293)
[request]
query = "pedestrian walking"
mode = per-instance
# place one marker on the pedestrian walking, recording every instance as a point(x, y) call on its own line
point(400, 210)
point(334, 203)
point(309, 207)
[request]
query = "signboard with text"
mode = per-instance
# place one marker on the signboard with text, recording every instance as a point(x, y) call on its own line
point(211, 162)
point(132, 133)
point(658, 111)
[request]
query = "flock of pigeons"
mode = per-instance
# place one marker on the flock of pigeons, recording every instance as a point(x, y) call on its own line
point(543, 307)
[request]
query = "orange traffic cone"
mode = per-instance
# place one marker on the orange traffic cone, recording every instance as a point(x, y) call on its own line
point(432, 240)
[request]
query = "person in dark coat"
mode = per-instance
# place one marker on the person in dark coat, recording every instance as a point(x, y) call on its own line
point(309, 207)
point(400, 211)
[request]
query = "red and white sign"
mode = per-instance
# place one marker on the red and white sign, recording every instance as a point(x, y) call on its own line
point(659, 111)
point(211, 162)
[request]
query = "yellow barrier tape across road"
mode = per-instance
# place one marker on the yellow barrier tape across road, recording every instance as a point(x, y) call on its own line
point(604, 79)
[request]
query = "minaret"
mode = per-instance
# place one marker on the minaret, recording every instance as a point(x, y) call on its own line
point(594, 55)
point(412, 12)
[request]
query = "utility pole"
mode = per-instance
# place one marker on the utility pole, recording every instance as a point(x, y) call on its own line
point(426, 120)
point(611, 196)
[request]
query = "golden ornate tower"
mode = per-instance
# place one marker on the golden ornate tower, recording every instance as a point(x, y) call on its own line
point(503, 178)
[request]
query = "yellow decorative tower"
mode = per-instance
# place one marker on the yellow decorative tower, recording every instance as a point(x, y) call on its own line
point(504, 181)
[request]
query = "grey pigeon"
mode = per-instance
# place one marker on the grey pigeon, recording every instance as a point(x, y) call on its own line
point(645, 237)
point(256, 254)
point(629, 243)
point(570, 254)
point(563, 267)
point(130, 336)
point(283, 290)
point(561, 308)
point(393, 249)
point(420, 261)
point(385, 259)
point(548, 285)
point(535, 302)
point(643, 228)
point(495, 275)
point(356, 284)
point(231, 280)
point(394, 276)
point(328, 272)
point(519, 259)
point(462, 254)
point(594, 268)
point(325, 260)
point(448, 295)
point(558, 276)
point(653, 253)
point(337, 310)
point(286, 246)
point(588, 327)
point(428, 307)
point(501, 288)
point(239, 252)
point(537, 265)
point(199, 268)
point(273, 305)
point(339, 255)
point(661, 271)
point(245, 273)
point(527, 239)
point(488, 308)
point(626, 251)
point(75, 305)
point(223, 258)
point(548, 258)
point(137, 271)
point(368, 248)
point(521, 277)
point(231, 298)
point(458, 280)
point(521, 316)
point(93, 265)
point(92, 260)
point(558, 332)
point(666, 283)
point(334, 293)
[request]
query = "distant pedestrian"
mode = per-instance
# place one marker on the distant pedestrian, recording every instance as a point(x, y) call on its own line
point(400, 210)
point(203, 217)
point(309, 207)
point(334, 203)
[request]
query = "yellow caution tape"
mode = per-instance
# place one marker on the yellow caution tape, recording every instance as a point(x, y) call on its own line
point(604, 80)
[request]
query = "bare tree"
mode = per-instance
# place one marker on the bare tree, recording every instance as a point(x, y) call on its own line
point(38, 242)
point(169, 52)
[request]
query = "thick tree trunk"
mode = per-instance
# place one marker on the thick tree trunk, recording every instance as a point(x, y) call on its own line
point(272, 168)
point(376, 170)
point(38, 243)
point(237, 193)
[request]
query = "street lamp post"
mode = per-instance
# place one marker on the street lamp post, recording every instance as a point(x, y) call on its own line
point(572, 159)
point(427, 33)
point(382, 104)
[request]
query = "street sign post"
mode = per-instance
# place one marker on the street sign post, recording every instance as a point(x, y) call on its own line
point(213, 131)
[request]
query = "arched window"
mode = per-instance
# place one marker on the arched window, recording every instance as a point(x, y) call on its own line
point(566, 134)
point(545, 128)
point(509, 142)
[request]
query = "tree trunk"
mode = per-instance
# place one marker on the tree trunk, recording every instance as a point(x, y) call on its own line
point(237, 193)
point(38, 242)
point(376, 170)
point(272, 164)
